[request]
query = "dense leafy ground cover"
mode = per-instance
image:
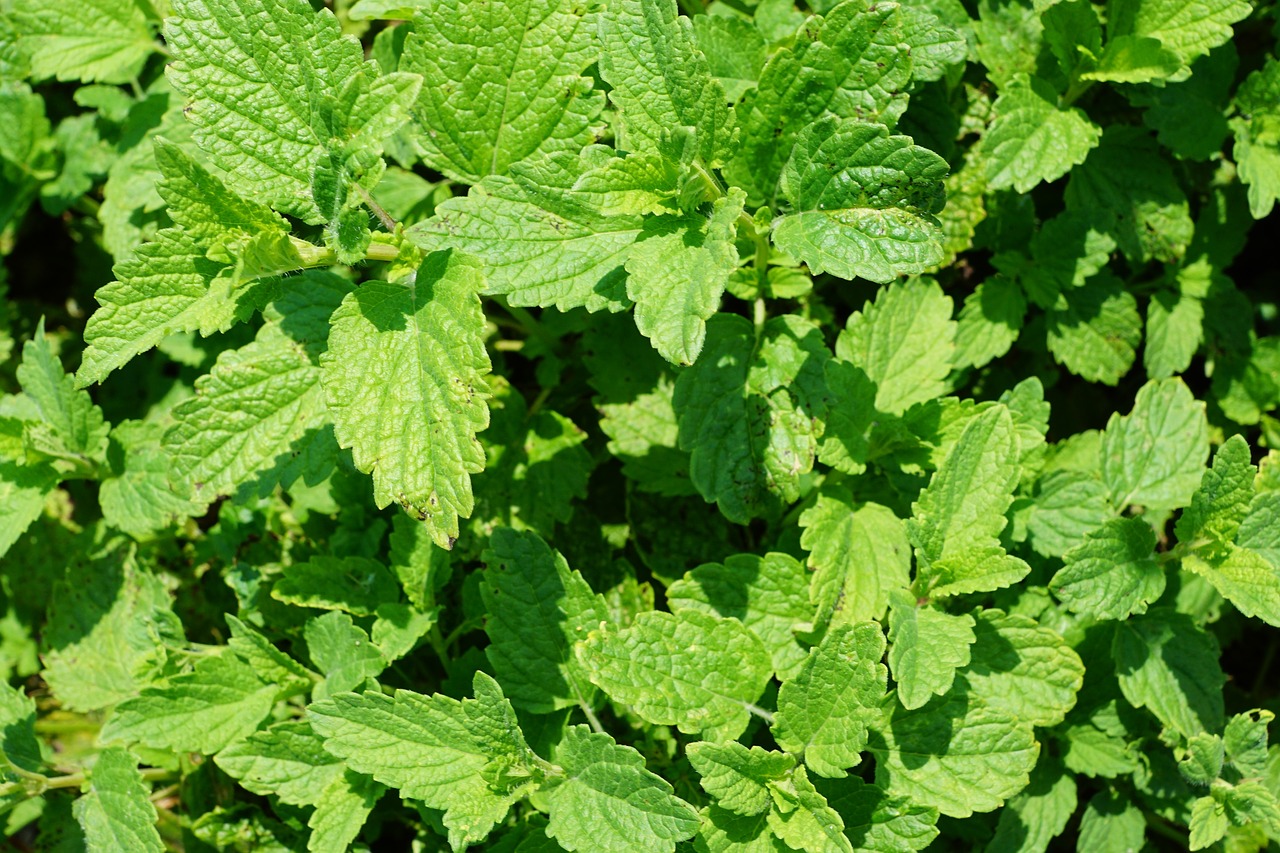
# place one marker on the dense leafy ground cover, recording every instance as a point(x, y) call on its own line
point(541, 425)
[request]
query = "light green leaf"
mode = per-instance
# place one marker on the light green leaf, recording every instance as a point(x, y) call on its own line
point(692, 670)
point(251, 412)
point(23, 489)
point(636, 184)
point(748, 412)
point(859, 557)
point(960, 515)
point(141, 500)
point(501, 83)
point(1208, 824)
point(71, 425)
point(432, 748)
point(342, 651)
point(165, 287)
point(1222, 501)
point(934, 46)
point(1169, 665)
point(269, 662)
point(903, 341)
point(877, 822)
point(955, 754)
point(341, 812)
point(989, 322)
point(203, 711)
point(851, 413)
point(1155, 455)
point(676, 273)
point(1111, 823)
point(802, 818)
point(609, 802)
point(722, 831)
point(201, 203)
point(864, 202)
point(1128, 190)
point(241, 61)
point(1094, 330)
point(354, 584)
point(1260, 530)
point(1033, 818)
point(851, 63)
point(735, 50)
point(1187, 29)
point(98, 40)
point(400, 626)
point(1113, 573)
point(738, 777)
point(19, 745)
point(1031, 139)
point(116, 813)
point(108, 621)
point(423, 342)
point(660, 81)
point(824, 711)
point(541, 242)
point(1134, 59)
point(927, 647)
point(287, 760)
point(1021, 667)
point(1175, 329)
point(1257, 137)
point(1246, 578)
point(422, 566)
point(1068, 506)
point(536, 609)
point(769, 595)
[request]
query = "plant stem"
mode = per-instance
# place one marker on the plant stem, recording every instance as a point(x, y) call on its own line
point(592, 719)
point(385, 218)
point(767, 716)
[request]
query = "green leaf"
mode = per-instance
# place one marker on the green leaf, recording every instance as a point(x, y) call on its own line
point(1033, 818)
point(824, 711)
point(859, 555)
point(141, 500)
point(1188, 116)
point(23, 489)
point(205, 710)
point(927, 647)
point(240, 61)
point(676, 273)
point(1155, 455)
point(425, 342)
point(1130, 191)
point(1245, 578)
point(254, 409)
point(877, 822)
point(1021, 667)
point(659, 80)
point(609, 802)
point(201, 203)
point(541, 242)
point(501, 83)
point(864, 202)
point(1187, 29)
point(802, 818)
point(1066, 251)
point(1031, 139)
point(1175, 330)
point(536, 609)
point(18, 743)
point(735, 50)
point(1257, 137)
point(1111, 823)
point(955, 754)
point(287, 760)
point(989, 322)
point(1169, 665)
point(1208, 824)
point(769, 595)
point(342, 651)
point(341, 811)
point(903, 341)
point(960, 515)
point(432, 748)
point(738, 777)
point(851, 414)
point(354, 584)
point(1260, 530)
point(1245, 741)
point(693, 670)
point(851, 63)
point(116, 813)
point(1068, 506)
point(1113, 573)
point(165, 287)
point(747, 412)
point(1222, 501)
point(1094, 330)
point(99, 40)
point(722, 831)
point(268, 661)
point(71, 425)
point(1134, 59)
point(108, 620)
point(634, 184)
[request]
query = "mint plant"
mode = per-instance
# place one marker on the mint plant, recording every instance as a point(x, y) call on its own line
point(638, 426)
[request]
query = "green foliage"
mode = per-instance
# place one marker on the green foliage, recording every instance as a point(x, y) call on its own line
point(738, 426)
